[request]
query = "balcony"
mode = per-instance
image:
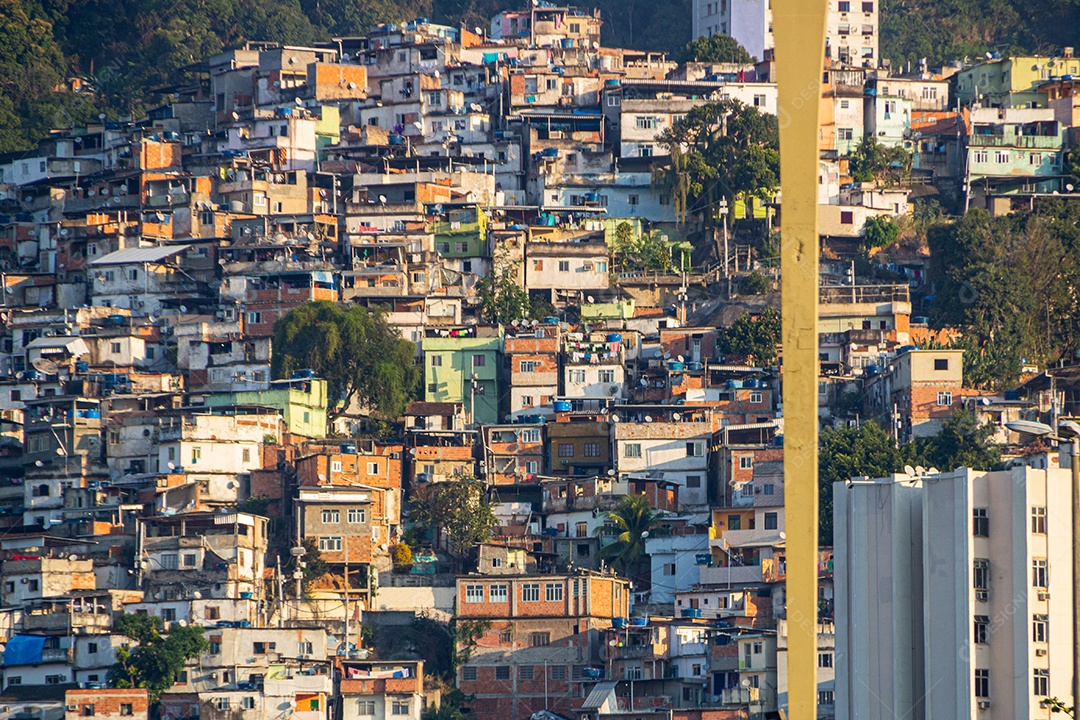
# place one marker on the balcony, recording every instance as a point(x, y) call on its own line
point(1033, 142)
point(79, 622)
point(734, 575)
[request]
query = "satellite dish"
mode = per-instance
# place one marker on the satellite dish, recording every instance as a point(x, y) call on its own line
point(322, 477)
point(60, 451)
point(644, 382)
point(615, 418)
point(648, 418)
point(299, 101)
point(197, 595)
point(183, 308)
point(920, 470)
point(38, 463)
point(746, 683)
point(172, 466)
point(667, 356)
point(382, 199)
point(611, 472)
point(182, 623)
point(909, 470)
point(590, 299)
point(679, 358)
point(933, 471)
point(676, 416)
point(44, 365)
point(613, 642)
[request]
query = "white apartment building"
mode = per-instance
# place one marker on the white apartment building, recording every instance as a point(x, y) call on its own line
point(851, 35)
point(677, 452)
point(954, 594)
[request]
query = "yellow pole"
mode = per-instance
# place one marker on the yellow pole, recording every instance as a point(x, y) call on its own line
point(799, 30)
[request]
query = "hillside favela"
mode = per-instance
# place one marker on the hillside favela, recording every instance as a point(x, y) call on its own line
point(423, 361)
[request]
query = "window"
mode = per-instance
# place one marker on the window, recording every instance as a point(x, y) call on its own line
point(756, 398)
point(1001, 157)
point(1038, 520)
point(826, 697)
point(844, 134)
point(558, 672)
point(527, 366)
point(331, 516)
point(606, 376)
point(1038, 574)
point(980, 523)
point(223, 703)
point(944, 399)
point(847, 217)
point(335, 466)
point(479, 360)
point(844, 6)
point(436, 361)
point(824, 659)
point(261, 648)
point(530, 592)
point(632, 450)
point(530, 436)
point(502, 672)
point(92, 648)
point(1040, 625)
point(1042, 683)
point(981, 574)
point(577, 376)
point(357, 516)
point(982, 683)
point(330, 543)
point(645, 150)
point(539, 639)
point(982, 629)
point(213, 612)
point(498, 593)
point(581, 529)
point(981, 156)
point(1035, 159)
point(189, 560)
point(196, 455)
point(170, 561)
point(768, 489)
point(467, 673)
point(592, 450)
point(215, 647)
point(373, 468)
point(114, 348)
point(759, 101)
point(746, 462)
point(695, 448)
point(14, 680)
point(553, 592)
point(16, 396)
point(126, 709)
point(646, 123)
point(564, 266)
point(474, 593)
point(770, 521)
point(245, 455)
point(693, 481)
point(941, 363)
point(669, 569)
point(87, 710)
point(566, 450)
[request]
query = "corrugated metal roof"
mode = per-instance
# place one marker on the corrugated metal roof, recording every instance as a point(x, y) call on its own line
point(140, 255)
point(599, 694)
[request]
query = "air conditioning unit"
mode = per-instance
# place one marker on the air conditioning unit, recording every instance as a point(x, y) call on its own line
point(1044, 595)
point(984, 704)
point(1040, 652)
point(72, 708)
point(983, 595)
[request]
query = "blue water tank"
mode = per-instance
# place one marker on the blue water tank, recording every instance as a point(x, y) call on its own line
point(563, 406)
point(348, 449)
point(614, 337)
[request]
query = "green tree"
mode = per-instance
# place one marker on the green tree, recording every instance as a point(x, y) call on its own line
point(502, 297)
point(871, 161)
point(647, 251)
point(716, 49)
point(880, 231)
point(848, 452)
point(158, 658)
point(459, 512)
point(719, 150)
point(313, 567)
point(360, 354)
point(628, 525)
point(962, 442)
point(755, 337)
point(754, 284)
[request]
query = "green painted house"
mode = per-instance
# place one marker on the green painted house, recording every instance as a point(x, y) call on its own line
point(464, 364)
point(301, 401)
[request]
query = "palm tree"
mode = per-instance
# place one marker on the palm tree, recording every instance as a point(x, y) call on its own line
point(629, 524)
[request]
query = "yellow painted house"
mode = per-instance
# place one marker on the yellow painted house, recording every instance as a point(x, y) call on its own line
point(1013, 82)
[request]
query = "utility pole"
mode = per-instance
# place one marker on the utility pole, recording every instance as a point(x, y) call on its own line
point(727, 270)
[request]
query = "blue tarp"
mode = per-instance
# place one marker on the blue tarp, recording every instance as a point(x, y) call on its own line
point(24, 650)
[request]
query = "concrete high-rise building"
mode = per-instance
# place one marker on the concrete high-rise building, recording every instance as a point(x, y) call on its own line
point(851, 35)
point(954, 594)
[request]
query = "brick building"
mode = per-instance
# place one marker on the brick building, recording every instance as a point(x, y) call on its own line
point(129, 703)
point(542, 640)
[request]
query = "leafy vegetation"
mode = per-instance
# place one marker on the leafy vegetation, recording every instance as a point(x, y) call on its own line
point(1007, 283)
point(362, 357)
point(716, 49)
point(647, 251)
point(755, 337)
point(880, 231)
point(458, 512)
point(158, 657)
point(754, 284)
point(628, 526)
point(719, 150)
point(502, 297)
point(867, 450)
point(874, 162)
